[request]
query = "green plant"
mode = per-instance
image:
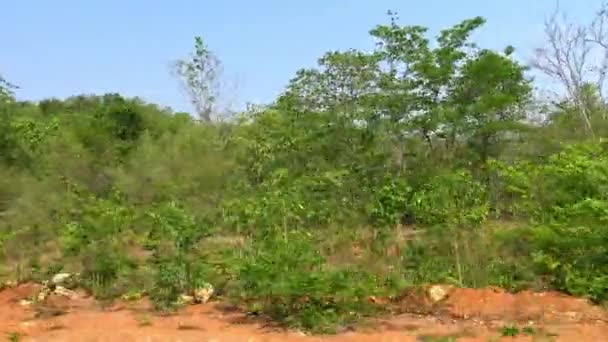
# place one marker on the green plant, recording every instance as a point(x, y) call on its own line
point(529, 330)
point(509, 330)
point(178, 269)
point(285, 277)
point(451, 199)
point(392, 203)
point(14, 336)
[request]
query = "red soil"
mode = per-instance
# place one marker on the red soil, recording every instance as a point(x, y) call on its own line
point(468, 315)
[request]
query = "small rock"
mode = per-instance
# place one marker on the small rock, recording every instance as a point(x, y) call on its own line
point(186, 300)
point(42, 295)
point(9, 284)
point(25, 302)
point(60, 278)
point(27, 324)
point(62, 291)
point(438, 293)
point(202, 295)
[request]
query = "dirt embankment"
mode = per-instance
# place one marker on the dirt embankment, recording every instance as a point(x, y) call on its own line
point(462, 314)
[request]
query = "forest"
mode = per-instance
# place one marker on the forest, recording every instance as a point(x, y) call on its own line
point(429, 160)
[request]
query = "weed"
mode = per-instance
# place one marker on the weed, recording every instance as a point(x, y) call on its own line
point(14, 336)
point(529, 330)
point(509, 330)
point(434, 338)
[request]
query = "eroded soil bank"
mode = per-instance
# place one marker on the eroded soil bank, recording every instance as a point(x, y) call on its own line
point(464, 315)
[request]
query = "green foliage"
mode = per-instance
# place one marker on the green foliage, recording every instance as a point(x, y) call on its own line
point(427, 131)
point(6, 91)
point(179, 270)
point(510, 331)
point(392, 203)
point(452, 199)
point(94, 232)
point(573, 258)
point(576, 173)
point(199, 75)
point(285, 277)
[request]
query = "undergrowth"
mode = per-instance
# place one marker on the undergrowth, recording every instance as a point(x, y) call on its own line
point(311, 209)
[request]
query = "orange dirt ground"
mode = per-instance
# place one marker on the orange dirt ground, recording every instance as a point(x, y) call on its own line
point(466, 314)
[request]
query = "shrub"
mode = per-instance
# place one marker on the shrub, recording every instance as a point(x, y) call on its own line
point(392, 203)
point(453, 199)
point(285, 277)
point(179, 268)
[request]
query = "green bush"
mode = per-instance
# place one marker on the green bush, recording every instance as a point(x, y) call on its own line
point(392, 203)
point(179, 268)
point(139, 198)
point(285, 277)
point(541, 190)
point(453, 199)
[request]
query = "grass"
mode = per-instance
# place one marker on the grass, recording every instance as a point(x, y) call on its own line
point(434, 338)
point(14, 336)
point(509, 331)
point(451, 337)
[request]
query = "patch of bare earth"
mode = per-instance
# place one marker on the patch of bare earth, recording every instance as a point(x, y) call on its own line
point(465, 314)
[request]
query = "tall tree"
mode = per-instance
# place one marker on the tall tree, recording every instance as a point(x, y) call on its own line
point(200, 77)
point(409, 88)
point(575, 56)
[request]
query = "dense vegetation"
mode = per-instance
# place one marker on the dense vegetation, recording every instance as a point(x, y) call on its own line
point(413, 164)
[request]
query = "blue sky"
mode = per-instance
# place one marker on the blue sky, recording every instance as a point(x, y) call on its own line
point(66, 47)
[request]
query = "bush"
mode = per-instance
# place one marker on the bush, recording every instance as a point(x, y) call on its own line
point(179, 268)
point(285, 277)
point(392, 203)
point(539, 191)
point(453, 199)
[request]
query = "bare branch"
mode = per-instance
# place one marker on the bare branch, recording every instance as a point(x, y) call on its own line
point(575, 55)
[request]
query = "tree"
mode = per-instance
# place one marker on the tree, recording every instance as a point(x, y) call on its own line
point(200, 77)
point(488, 100)
point(576, 56)
point(407, 88)
point(342, 82)
point(6, 90)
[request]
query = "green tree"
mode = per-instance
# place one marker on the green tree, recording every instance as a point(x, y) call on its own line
point(6, 90)
point(200, 77)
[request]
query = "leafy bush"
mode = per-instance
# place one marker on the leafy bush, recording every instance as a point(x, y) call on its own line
point(573, 255)
point(392, 203)
point(578, 172)
point(95, 234)
point(285, 277)
point(132, 195)
point(173, 237)
point(451, 199)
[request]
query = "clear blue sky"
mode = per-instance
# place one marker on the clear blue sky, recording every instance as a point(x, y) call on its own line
point(66, 47)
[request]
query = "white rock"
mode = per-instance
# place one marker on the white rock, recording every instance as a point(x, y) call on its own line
point(62, 291)
point(42, 295)
point(60, 278)
point(10, 283)
point(438, 293)
point(186, 300)
point(202, 295)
